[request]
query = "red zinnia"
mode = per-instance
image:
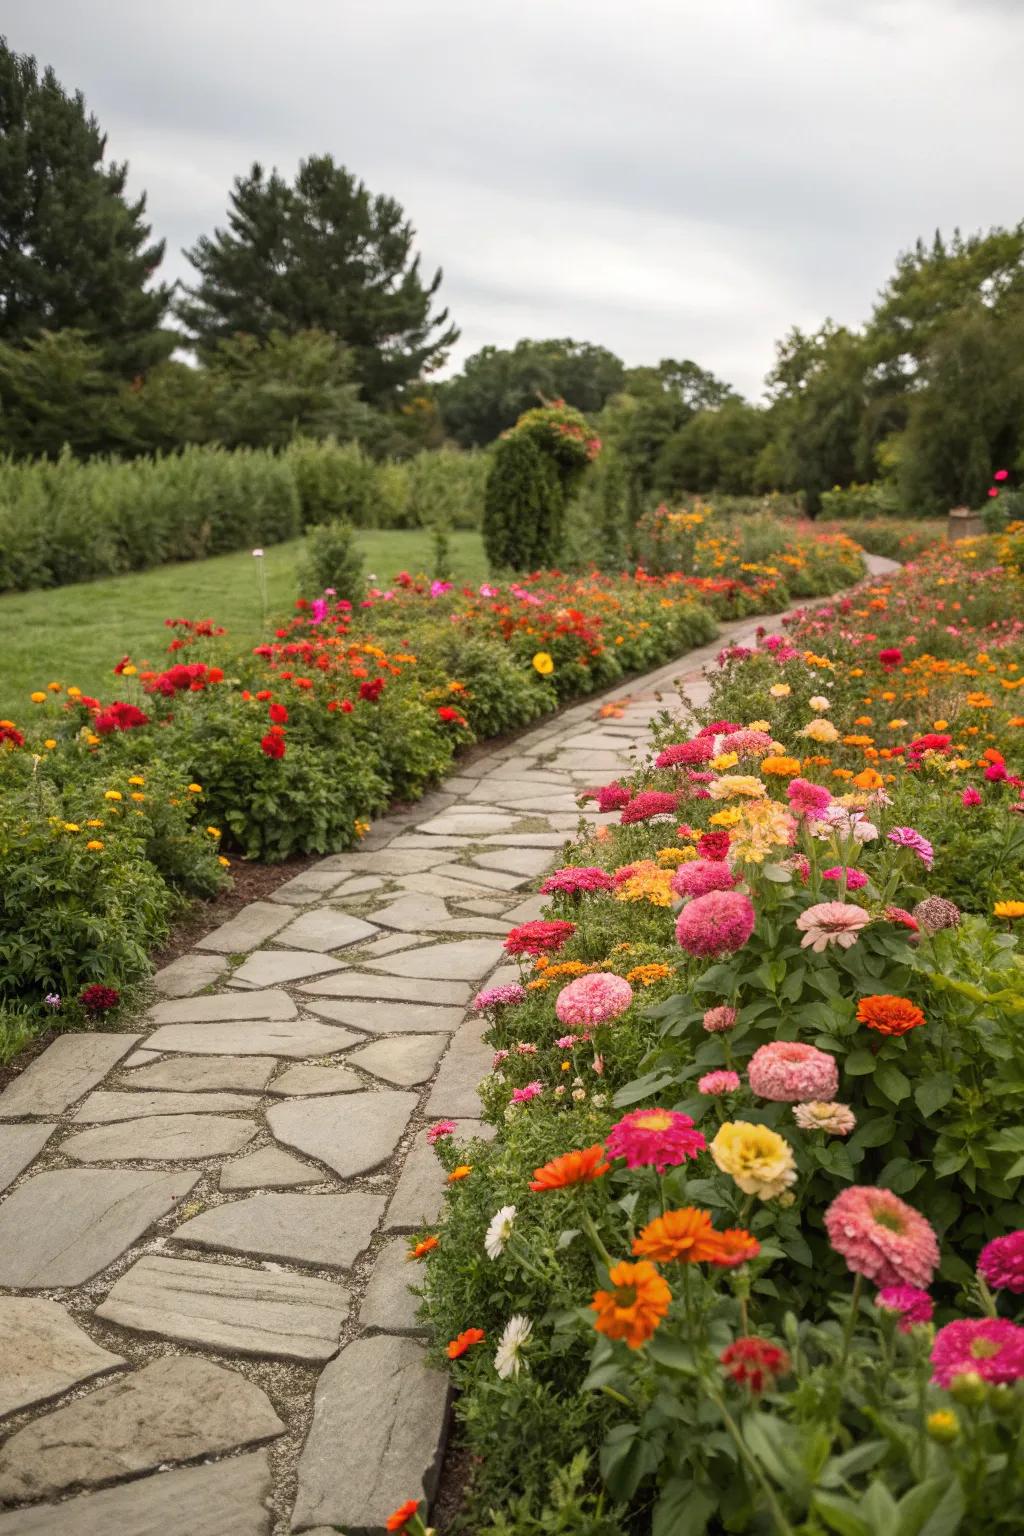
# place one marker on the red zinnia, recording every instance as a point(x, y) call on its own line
point(714, 846)
point(538, 938)
point(11, 734)
point(371, 692)
point(754, 1363)
point(648, 803)
point(890, 657)
point(402, 1515)
point(273, 743)
point(465, 1340)
point(278, 714)
point(99, 999)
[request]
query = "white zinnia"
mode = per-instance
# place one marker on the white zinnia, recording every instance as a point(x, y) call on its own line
point(819, 703)
point(499, 1231)
point(513, 1341)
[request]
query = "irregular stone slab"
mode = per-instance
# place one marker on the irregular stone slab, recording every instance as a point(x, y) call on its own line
point(486, 906)
point(528, 911)
point(526, 840)
point(487, 925)
point(253, 926)
point(467, 1060)
point(238, 1311)
point(387, 1018)
point(541, 805)
point(258, 1037)
point(351, 1135)
point(487, 879)
point(68, 1068)
point(505, 975)
point(104, 1107)
point(419, 1194)
point(275, 967)
point(362, 885)
point(63, 1227)
point(388, 1303)
point(467, 959)
point(174, 1409)
point(189, 974)
point(412, 914)
point(19, 1144)
point(311, 1229)
point(390, 942)
point(325, 928)
point(141, 1058)
point(379, 1419)
point(224, 1498)
point(595, 763)
point(44, 1352)
point(269, 1168)
point(417, 841)
point(382, 862)
point(312, 885)
point(305, 1079)
point(201, 1074)
point(218, 1007)
point(521, 861)
point(400, 988)
point(162, 1138)
point(440, 885)
point(407, 1061)
point(470, 823)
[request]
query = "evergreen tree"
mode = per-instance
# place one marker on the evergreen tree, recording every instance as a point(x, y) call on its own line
point(74, 252)
point(322, 254)
point(523, 506)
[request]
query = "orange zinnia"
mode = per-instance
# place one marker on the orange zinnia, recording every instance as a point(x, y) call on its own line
point(571, 1168)
point(461, 1172)
point(734, 1246)
point(422, 1249)
point(401, 1517)
point(685, 1235)
point(467, 1338)
point(633, 1310)
point(889, 1015)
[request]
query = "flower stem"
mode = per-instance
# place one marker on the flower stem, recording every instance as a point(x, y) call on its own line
point(851, 1320)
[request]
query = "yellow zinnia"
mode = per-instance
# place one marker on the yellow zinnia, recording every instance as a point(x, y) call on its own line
point(780, 690)
point(759, 1159)
point(543, 663)
point(112, 794)
point(737, 786)
point(1009, 909)
point(38, 698)
point(95, 844)
point(820, 730)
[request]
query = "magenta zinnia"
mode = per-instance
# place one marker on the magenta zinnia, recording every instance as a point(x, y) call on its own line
point(654, 1138)
point(701, 876)
point(881, 1237)
point(906, 837)
point(715, 924)
point(910, 1304)
point(648, 803)
point(791, 1073)
point(989, 1347)
point(499, 997)
point(686, 753)
point(592, 1000)
point(574, 880)
point(1001, 1263)
point(806, 799)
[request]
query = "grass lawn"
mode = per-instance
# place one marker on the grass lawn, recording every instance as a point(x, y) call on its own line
point(76, 634)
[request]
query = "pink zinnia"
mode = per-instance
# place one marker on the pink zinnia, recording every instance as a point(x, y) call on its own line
point(573, 880)
point(717, 1020)
point(912, 1305)
point(648, 803)
point(654, 1138)
point(807, 799)
point(881, 1237)
point(750, 743)
point(856, 879)
point(715, 924)
point(592, 1000)
point(1001, 1263)
point(524, 1095)
point(499, 997)
point(538, 938)
point(566, 1042)
point(970, 796)
point(989, 1347)
point(702, 875)
point(791, 1073)
point(439, 1129)
point(906, 837)
point(497, 1059)
point(609, 797)
point(716, 1083)
point(831, 922)
point(702, 750)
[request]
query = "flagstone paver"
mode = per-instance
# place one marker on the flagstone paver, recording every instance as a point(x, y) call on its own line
point(297, 1086)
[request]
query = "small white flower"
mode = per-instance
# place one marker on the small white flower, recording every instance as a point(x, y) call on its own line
point(513, 1341)
point(819, 703)
point(499, 1231)
point(257, 554)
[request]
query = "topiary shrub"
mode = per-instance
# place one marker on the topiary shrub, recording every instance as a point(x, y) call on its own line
point(330, 559)
point(535, 469)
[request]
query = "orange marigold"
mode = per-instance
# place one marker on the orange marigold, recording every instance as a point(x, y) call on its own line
point(422, 1249)
point(889, 1015)
point(465, 1340)
point(461, 1172)
point(571, 1168)
point(635, 1306)
point(783, 767)
point(685, 1235)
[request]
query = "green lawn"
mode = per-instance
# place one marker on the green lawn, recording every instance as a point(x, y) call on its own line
point(76, 634)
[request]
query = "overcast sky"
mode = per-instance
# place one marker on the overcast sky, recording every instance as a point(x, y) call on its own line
point(671, 178)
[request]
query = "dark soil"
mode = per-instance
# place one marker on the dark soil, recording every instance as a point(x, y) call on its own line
point(251, 882)
point(456, 1475)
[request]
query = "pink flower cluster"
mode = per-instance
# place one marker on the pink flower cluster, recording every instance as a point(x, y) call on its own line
point(654, 1138)
point(750, 743)
point(609, 797)
point(686, 753)
point(717, 1083)
point(701, 876)
point(912, 1305)
point(499, 997)
point(524, 1095)
point(789, 1072)
point(807, 799)
point(718, 1020)
point(439, 1129)
point(881, 1237)
point(538, 938)
point(648, 803)
point(989, 1347)
point(1001, 1263)
point(715, 924)
point(907, 837)
point(588, 1001)
point(856, 879)
point(573, 880)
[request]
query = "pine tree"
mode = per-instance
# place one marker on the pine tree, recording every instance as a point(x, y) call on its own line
point(74, 252)
point(322, 254)
point(523, 506)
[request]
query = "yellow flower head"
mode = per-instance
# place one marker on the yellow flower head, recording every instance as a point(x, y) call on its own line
point(673, 856)
point(53, 687)
point(137, 794)
point(213, 831)
point(762, 827)
point(49, 743)
point(759, 1159)
point(112, 794)
point(782, 767)
point(137, 779)
point(727, 818)
point(195, 789)
point(780, 690)
point(72, 826)
point(74, 693)
point(222, 860)
point(819, 703)
point(723, 761)
point(1009, 909)
point(820, 730)
point(737, 786)
point(38, 698)
point(95, 844)
point(759, 725)
point(543, 664)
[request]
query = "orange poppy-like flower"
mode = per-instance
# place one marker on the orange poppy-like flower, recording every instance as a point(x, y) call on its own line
point(889, 1015)
point(466, 1339)
point(685, 1235)
point(422, 1249)
point(571, 1168)
point(734, 1246)
point(402, 1515)
point(461, 1172)
point(868, 778)
point(636, 1305)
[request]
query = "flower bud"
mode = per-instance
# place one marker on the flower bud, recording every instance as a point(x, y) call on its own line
point(969, 1389)
point(943, 1427)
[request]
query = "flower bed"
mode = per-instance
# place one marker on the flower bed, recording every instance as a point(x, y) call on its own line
point(747, 1252)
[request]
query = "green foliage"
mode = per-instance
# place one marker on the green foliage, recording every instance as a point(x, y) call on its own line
point(332, 560)
point(56, 391)
point(322, 253)
point(74, 253)
point(717, 450)
point(266, 392)
point(496, 385)
point(523, 506)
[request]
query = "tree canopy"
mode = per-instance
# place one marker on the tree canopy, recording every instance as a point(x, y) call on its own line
point(497, 384)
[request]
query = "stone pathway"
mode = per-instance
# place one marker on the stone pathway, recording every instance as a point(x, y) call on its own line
point(206, 1325)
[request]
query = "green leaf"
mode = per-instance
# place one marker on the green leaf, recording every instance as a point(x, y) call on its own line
point(674, 1354)
point(643, 1088)
point(682, 1507)
point(935, 1092)
point(859, 1063)
point(841, 1515)
point(933, 1508)
point(892, 1082)
point(873, 1133)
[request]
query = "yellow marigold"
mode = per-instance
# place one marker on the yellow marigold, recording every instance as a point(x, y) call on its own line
point(539, 984)
point(195, 789)
point(38, 698)
point(782, 767)
point(112, 794)
point(1016, 720)
point(780, 690)
point(763, 827)
point(979, 701)
point(863, 720)
point(737, 786)
point(570, 968)
point(213, 831)
point(222, 860)
point(72, 826)
point(842, 773)
point(1009, 909)
point(727, 818)
point(647, 883)
point(137, 794)
point(543, 663)
point(759, 725)
point(868, 779)
point(74, 693)
point(95, 844)
point(129, 670)
point(91, 739)
point(674, 856)
point(648, 975)
point(723, 761)
point(757, 1158)
point(897, 724)
point(858, 741)
point(49, 743)
point(822, 731)
point(137, 779)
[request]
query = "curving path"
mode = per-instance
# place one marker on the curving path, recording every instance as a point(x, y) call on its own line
point(205, 1321)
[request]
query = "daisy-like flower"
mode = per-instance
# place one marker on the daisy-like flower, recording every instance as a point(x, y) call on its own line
point(834, 1119)
point(989, 1347)
point(465, 1340)
point(685, 1236)
point(654, 1138)
point(911, 1305)
point(571, 1168)
point(831, 922)
point(889, 1015)
point(881, 1237)
point(1009, 909)
point(635, 1306)
point(499, 1231)
point(758, 1158)
point(508, 1357)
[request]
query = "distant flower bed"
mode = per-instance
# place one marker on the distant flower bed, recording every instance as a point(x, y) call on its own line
point(748, 1251)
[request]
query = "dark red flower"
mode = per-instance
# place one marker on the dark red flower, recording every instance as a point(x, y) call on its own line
point(700, 750)
point(273, 743)
point(12, 735)
point(371, 692)
point(99, 999)
point(754, 1363)
point(120, 717)
point(891, 657)
point(713, 846)
point(609, 797)
point(648, 803)
point(278, 713)
point(450, 716)
point(931, 742)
